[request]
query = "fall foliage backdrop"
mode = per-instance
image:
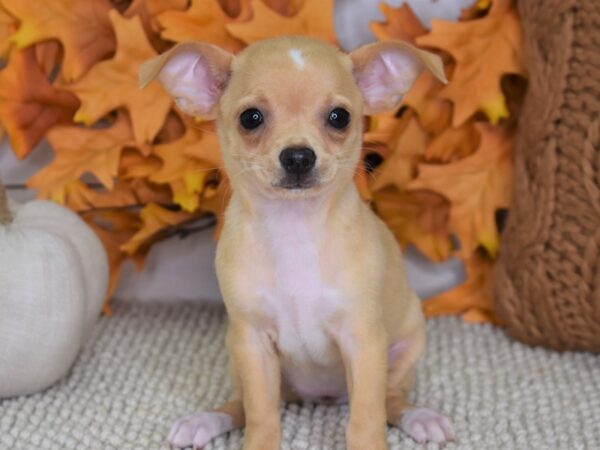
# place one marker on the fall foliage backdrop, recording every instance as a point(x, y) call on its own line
point(437, 170)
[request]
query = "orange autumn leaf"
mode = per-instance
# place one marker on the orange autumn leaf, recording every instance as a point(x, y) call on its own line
point(476, 187)
point(29, 104)
point(407, 146)
point(434, 112)
point(417, 217)
point(113, 84)
point(314, 19)
point(472, 299)
point(8, 25)
point(155, 219)
point(231, 7)
point(283, 7)
point(206, 21)
point(149, 10)
point(476, 10)
point(453, 143)
point(78, 151)
point(381, 128)
point(114, 229)
point(82, 27)
point(400, 23)
point(484, 50)
point(134, 164)
point(186, 164)
point(124, 195)
point(177, 160)
point(201, 142)
point(48, 55)
point(173, 128)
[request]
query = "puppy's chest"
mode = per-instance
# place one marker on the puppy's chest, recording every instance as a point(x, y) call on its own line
point(299, 298)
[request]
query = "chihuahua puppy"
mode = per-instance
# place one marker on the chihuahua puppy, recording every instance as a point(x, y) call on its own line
point(319, 307)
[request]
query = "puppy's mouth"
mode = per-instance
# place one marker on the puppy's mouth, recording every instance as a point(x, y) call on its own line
point(297, 182)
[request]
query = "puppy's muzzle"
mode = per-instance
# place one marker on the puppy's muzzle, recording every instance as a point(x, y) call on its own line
point(298, 164)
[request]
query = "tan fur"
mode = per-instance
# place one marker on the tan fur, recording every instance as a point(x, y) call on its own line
point(366, 306)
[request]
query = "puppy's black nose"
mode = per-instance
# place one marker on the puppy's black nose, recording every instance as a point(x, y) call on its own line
point(297, 160)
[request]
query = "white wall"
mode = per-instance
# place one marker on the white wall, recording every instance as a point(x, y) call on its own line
point(183, 269)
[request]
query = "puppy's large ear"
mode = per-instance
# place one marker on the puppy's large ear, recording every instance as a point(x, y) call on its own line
point(385, 71)
point(194, 73)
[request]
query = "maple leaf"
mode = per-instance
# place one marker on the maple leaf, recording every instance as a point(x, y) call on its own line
point(78, 151)
point(434, 112)
point(186, 164)
point(453, 143)
point(203, 144)
point(134, 164)
point(399, 168)
point(155, 220)
point(113, 84)
point(48, 55)
point(8, 25)
point(205, 21)
point(314, 19)
point(82, 27)
point(29, 104)
point(484, 50)
point(472, 298)
point(124, 195)
point(114, 229)
point(283, 7)
point(148, 10)
point(381, 128)
point(477, 10)
point(417, 217)
point(476, 187)
point(462, 169)
point(401, 23)
point(173, 128)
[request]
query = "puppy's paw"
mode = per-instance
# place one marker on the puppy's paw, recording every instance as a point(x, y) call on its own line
point(425, 425)
point(198, 429)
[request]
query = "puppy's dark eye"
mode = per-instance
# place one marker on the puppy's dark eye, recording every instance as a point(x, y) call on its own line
point(251, 119)
point(339, 118)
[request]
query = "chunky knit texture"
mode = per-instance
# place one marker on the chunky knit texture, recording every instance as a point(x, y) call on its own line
point(548, 276)
point(149, 364)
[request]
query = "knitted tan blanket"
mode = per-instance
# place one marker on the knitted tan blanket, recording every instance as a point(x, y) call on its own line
point(548, 277)
point(149, 364)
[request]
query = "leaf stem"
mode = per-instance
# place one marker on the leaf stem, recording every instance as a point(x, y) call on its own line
point(6, 216)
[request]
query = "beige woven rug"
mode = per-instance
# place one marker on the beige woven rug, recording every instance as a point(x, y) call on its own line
point(151, 363)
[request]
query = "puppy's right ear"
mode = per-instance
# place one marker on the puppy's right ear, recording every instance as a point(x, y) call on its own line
point(194, 73)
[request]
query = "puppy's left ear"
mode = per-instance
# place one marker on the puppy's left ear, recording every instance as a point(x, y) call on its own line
point(385, 71)
point(194, 73)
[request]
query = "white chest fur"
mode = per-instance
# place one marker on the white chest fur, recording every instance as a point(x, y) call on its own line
point(298, 297)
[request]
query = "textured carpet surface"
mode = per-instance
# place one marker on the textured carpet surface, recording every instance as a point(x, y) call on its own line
point(149, 364)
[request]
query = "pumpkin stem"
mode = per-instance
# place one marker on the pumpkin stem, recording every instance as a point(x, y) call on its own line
point(6, 216)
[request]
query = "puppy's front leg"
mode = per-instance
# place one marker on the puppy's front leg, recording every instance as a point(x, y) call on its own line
point(364, 351)
point(256, 364)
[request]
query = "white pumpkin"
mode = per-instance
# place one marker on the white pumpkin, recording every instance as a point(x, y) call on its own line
point(53, 281)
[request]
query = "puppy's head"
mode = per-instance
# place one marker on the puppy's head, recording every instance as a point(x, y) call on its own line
point(289, 110)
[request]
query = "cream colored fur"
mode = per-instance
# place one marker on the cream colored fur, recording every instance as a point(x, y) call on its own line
point(313, 281)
